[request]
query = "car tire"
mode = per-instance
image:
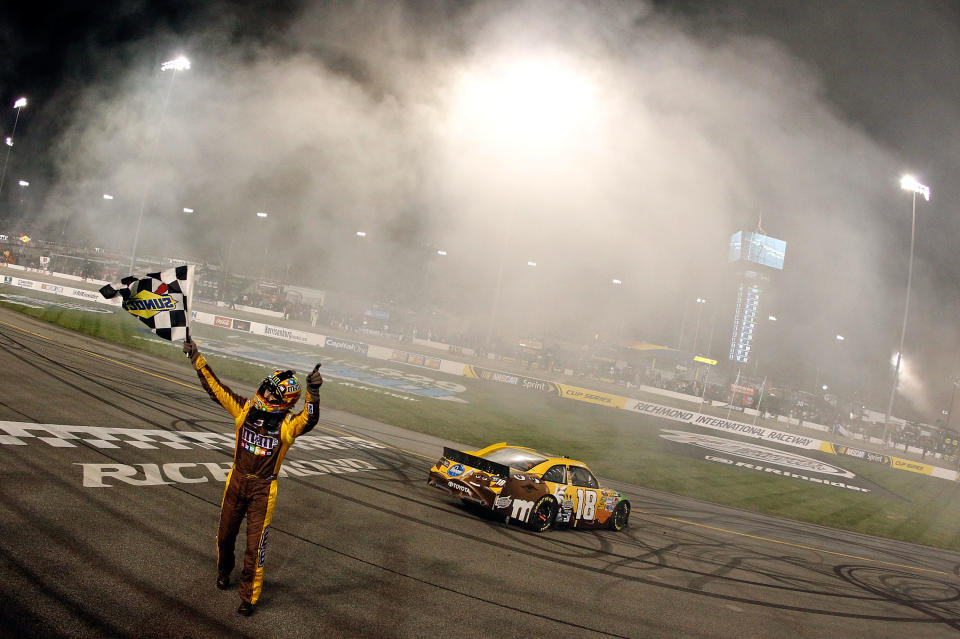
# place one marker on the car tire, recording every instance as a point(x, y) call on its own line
point(620, 517)
point(543, 514)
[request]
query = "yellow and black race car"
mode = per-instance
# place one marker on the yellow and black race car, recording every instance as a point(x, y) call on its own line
point(534, 488)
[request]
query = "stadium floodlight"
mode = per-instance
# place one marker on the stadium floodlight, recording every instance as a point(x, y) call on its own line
point(107, 196)
point(361, 233)
point(177, 64)
point(23, 183)
point(262, 214)
point(517, 103)
point(19, 104)
point(772, 318)
point(909, 183)
point(186, 210)
point(441, 252)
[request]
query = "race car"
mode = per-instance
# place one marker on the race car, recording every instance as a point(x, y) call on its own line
point(536, 489)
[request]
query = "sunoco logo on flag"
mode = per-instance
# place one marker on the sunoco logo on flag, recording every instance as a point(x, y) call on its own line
point(147, 304)
point(159, 300)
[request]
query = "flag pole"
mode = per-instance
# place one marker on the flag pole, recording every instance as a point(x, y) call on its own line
point(733, 393)
point(190, 270)
point(763, 387)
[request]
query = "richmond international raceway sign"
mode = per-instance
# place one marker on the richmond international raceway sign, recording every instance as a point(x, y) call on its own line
point(177, 472)
point(763, 459)
point(109, 475)
point(69, 436)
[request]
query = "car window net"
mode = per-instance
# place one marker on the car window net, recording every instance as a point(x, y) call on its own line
point(583, 477)
point(555, 474)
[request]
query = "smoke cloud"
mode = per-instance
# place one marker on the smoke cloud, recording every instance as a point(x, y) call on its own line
point(600, 140)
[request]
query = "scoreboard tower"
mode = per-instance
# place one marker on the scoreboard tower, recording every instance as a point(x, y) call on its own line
point(756, 258)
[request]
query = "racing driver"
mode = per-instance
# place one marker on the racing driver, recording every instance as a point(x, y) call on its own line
point(265, 430)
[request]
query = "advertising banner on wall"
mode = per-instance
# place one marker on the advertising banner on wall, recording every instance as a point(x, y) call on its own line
point(345, 345)
point(526, 383)
point(415, 359)
point(897, 463)
point(591, 396)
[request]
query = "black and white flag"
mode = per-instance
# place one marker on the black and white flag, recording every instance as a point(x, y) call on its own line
point(159, 300)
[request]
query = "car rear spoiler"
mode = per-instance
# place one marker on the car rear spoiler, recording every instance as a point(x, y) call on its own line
point(487, 466)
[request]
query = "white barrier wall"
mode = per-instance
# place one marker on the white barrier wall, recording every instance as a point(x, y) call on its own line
point(65, 276)
point(373, 351)
point(57, 289)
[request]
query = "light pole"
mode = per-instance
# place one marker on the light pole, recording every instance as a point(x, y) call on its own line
point(23, 184)
point(816, 376)
point(683, 324)
point(495, 305)
point(19, 104)
point(696, 333)
point(953, 395)
point(263, 263)
point(706, 372)
point(907, 183)
point(178, 64)
point(116, 226)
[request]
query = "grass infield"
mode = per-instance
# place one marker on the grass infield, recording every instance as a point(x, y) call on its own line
point(616, 444)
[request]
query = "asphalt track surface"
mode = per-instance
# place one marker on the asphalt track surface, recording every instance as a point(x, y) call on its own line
point(375, 552)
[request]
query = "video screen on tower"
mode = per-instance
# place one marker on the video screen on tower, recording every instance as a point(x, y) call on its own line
point(757, 248)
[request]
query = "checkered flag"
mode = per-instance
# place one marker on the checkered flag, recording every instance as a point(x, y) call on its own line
point(159, 300)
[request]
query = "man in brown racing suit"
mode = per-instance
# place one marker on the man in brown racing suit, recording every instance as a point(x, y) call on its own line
point(265, 430)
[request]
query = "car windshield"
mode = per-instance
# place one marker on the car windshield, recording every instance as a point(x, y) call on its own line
point(515, 458)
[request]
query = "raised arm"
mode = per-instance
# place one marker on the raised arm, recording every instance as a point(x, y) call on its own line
point(218, 391)
point(306, 419)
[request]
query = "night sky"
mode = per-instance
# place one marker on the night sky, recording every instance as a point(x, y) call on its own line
point(805, 113)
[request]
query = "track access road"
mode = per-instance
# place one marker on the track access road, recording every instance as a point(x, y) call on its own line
point(111, 474)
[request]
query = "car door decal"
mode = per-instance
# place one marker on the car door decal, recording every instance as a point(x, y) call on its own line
point(586, 504)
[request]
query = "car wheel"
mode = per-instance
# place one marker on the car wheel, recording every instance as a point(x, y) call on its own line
point(620, 516)
point(543, 514)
